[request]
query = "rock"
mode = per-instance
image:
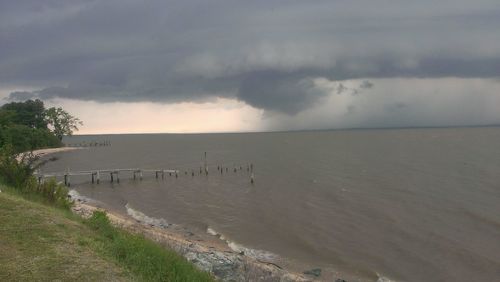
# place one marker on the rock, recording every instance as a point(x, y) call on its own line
point(340, 280)
point(314, 272)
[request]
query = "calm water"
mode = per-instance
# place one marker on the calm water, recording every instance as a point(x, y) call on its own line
point(411, 204)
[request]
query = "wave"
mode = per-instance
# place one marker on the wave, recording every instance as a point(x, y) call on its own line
point(139, 216)
point(73, 194)
point(254, 253)
point(384, 279)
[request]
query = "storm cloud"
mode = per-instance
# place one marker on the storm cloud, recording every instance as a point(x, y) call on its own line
point(267, 54)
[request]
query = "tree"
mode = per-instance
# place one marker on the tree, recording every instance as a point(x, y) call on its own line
point(61, 122)
point(30, 113)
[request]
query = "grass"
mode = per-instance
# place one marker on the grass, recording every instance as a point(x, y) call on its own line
point(40, 243)
point(141, 256)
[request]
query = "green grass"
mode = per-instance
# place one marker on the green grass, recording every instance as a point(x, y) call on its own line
point(43, 243)
point(141, 256)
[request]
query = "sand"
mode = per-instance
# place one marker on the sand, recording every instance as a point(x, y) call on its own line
point(48, 151)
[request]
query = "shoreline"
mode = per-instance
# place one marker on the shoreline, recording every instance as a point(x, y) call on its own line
point(209, 255)
point(48, 151)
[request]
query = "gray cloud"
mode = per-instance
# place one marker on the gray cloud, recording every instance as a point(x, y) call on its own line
point(366, 84)
point(265, 53)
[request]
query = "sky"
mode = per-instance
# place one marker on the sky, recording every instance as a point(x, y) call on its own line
point(126, 66)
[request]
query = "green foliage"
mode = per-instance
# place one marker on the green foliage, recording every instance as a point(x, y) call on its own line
point(23, 138)
point(143, 257)
point(29, 126)
point(100, 222)
point(16, 170)
point(55, 193)
point(30, 113)
point(61, 122)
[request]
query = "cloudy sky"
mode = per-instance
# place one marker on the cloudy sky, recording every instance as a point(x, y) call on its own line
point(215, 66)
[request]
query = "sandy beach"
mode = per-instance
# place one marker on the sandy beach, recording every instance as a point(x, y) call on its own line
point(48, 151)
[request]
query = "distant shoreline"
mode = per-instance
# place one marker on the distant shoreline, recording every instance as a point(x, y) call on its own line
point(48, 151)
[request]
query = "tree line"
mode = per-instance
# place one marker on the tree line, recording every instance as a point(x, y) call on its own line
point(29, 125)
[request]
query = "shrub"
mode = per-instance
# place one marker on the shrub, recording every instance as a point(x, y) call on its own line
point(52, 191)
point(16, 170)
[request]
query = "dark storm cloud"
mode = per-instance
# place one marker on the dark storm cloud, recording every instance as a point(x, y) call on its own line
point(279, 91)
point(264, 53)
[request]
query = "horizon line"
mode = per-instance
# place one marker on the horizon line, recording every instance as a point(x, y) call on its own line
point(297, 130)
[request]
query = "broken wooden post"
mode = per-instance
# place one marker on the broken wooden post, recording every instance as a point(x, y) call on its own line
point(67, 180)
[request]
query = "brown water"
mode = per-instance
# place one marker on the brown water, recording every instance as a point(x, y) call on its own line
point(408, 204)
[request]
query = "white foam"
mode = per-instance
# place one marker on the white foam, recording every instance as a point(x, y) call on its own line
point(73, 194)
point(137, 215)
point(212, 232)
point(258, 254)
point(384, 279)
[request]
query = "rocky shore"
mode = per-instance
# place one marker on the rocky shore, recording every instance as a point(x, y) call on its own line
point(211, 256)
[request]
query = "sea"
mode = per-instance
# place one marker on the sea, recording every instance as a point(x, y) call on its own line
point(398, 204)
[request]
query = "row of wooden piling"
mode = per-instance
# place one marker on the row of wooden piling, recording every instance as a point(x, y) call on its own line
point(103, 143)
point(114, 174)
